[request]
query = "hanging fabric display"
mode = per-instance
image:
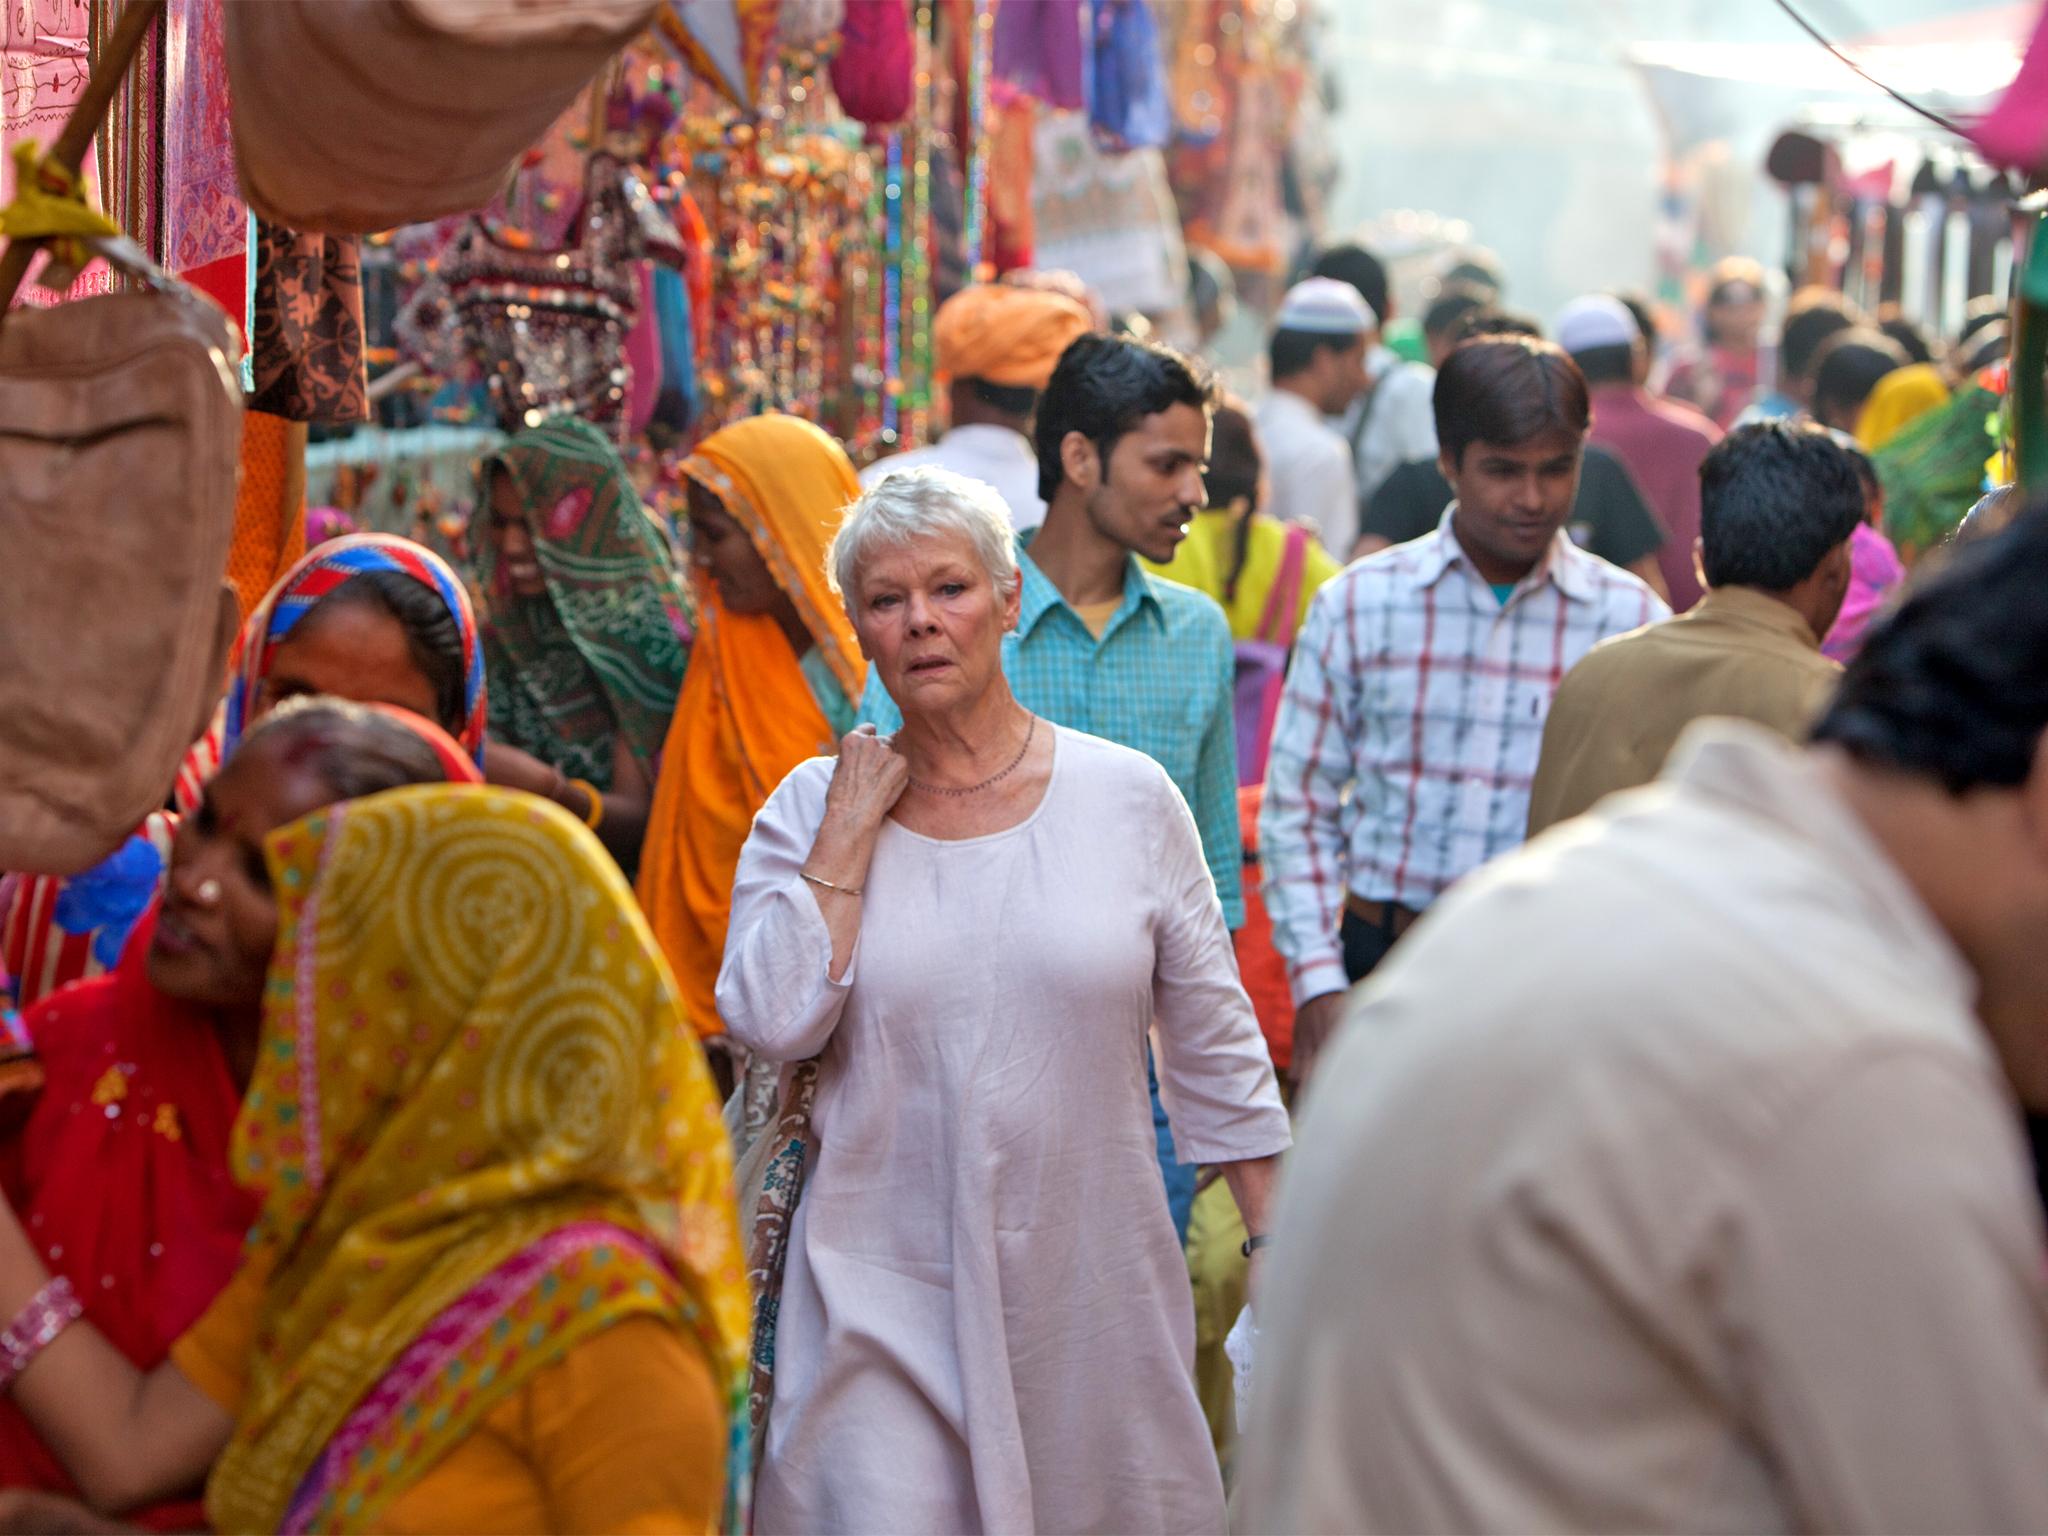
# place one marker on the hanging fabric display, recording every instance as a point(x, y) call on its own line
point(872, 71)
point(724, 43)
point(1127, 85)
point(1039, 49)
point(544, 328)
point(306, 331)
point(206, 223)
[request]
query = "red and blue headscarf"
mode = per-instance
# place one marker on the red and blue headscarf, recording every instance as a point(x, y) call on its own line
point(318, 574)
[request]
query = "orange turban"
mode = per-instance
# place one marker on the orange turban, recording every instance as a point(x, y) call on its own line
point(1005, 334)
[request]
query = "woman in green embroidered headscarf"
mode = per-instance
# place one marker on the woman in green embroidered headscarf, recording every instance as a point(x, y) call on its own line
point(586, 628)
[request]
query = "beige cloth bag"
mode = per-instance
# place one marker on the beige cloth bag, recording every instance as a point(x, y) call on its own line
point(353, 116)
point(120, 431)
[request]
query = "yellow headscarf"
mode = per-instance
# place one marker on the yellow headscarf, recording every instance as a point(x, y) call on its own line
point(747, 716)
point(1901, 398)
point(480, 1135)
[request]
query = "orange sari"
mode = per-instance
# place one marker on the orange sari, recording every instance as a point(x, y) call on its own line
point(747, 716)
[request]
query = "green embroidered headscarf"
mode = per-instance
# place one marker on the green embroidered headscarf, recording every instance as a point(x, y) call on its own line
point(605, 653)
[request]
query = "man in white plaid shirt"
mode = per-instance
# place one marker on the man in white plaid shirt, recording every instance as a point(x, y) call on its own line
point(1413, 716)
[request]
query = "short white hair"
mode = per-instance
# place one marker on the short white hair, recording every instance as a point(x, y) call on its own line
point(913, 505)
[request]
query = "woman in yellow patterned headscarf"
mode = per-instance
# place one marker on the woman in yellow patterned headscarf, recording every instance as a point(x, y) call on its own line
point(496, 1211)
point(1901, 398)
point(772, 680)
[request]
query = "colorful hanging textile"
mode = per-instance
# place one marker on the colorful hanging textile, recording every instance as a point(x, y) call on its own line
point(1126, 80)
point(206, 223)
point(725, 43)
point(546, 328)
point(1038, 49)
point(306, 330)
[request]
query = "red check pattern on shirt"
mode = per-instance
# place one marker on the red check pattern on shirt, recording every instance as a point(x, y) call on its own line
point(1408, 734)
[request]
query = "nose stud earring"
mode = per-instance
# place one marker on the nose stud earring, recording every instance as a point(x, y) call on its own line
point(209, 891)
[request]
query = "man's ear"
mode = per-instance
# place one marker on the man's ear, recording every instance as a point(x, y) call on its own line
point(1079, 460)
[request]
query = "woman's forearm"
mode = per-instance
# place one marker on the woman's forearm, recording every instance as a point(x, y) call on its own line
point(837, 873)
point(1251, 1186)
point(125, 1437)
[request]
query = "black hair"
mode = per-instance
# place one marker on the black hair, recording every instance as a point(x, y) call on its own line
point(432, 636)
point(1986, 346)
point(1640, 311)
point(1952, 686)
point(1102, 387)
point(1494, 321)
point(1988, 309)
point(1235, 458)
point(1235, 461)
point(1607, 365)
point(1018, 400)
point(1866, 468)
point(1813, 316)
point(1478, 269)
point(1293, 352)
point(1450, 307)
point(1506, 390)
point(1848, 366)
point(1775, 499)
point(352, 750)
point(1911, 338)
point(1352, 263)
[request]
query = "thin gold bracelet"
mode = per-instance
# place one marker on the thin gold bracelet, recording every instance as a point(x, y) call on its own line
point(595, 814)
point(827, 885)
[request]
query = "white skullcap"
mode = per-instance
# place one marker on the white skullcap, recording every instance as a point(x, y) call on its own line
point(1324, 306)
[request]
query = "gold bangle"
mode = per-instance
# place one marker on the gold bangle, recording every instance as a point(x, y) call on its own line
point(827, 885)
point(595, 814)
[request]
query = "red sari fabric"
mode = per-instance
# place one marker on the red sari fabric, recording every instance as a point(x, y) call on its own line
point(120, 1177)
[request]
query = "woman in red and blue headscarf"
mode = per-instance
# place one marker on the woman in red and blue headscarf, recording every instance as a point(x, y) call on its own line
point(372, 618)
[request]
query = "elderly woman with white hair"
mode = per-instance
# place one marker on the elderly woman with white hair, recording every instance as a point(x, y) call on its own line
point(970, 927)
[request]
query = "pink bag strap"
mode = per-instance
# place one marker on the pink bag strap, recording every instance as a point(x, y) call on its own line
point(1283, 603)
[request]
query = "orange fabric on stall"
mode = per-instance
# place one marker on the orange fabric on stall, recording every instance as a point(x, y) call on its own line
point(1259, 965)
point(270, 506)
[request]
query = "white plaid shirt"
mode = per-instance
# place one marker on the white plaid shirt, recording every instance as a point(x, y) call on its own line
point(1408, 735)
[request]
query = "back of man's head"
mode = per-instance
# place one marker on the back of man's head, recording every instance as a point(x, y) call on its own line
point(1495, 321)
point(1507, 390)
point(1953, 687)
point(1448, 311)
point(1847, 369)
point(1350, 262)
point(1813, 315)
point(1102, 387)
point(1775, 500)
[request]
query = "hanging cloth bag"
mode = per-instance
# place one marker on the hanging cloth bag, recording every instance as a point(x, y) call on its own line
point(354, 116)
point(120, 426)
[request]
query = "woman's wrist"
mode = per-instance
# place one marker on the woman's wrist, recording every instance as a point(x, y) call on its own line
point(48, 1313)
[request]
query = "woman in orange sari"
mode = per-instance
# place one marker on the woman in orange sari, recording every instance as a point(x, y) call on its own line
point(770, 683)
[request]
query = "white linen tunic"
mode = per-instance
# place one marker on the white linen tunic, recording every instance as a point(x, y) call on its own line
point(985, 1320)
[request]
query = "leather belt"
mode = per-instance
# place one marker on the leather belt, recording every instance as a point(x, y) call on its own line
point(1387, 916)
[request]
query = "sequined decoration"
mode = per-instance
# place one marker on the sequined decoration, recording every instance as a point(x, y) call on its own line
point(544, 329)
point(917, 272)
point(974, 234)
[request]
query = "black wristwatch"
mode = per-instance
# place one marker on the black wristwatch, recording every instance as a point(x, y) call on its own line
point(1253, 1244)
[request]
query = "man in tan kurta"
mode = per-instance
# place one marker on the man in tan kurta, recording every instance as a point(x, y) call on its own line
point(1668, 1176)
point(1778, 506)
